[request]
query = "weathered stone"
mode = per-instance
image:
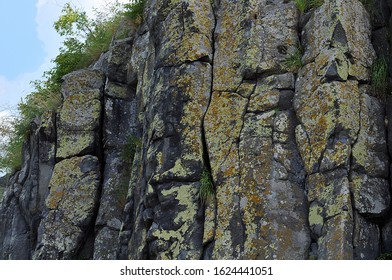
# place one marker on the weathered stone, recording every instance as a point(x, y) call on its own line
point(370, 151)
point(329, 110)
point(118, 91)
point(75, 143)
point(106, 244)
point(81, 112)
point(246, 41)
point(298, 162)
point(118, 56)
point(371, 196)
point(72, 203)
point(184, 32)
point(330, 214)
point(80, 81)
point(366, 239)
point(173, 235)
point(332, 25)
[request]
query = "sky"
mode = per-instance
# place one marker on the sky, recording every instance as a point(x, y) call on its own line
point(29, 43)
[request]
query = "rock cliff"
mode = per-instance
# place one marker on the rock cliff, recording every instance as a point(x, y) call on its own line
point(294, 162)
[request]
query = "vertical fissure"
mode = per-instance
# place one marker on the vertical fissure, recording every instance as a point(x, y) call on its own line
point(206, 156)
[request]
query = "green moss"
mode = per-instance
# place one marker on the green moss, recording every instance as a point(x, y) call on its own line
point(206, 187)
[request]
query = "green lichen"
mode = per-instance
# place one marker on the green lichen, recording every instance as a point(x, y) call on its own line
point(74, 143)
point(315, 217)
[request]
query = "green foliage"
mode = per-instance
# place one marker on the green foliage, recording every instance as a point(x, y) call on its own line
point(130, 148)
point(294, 62)
point(134, 10)
point(379, 77)
point(11, 147)
point(206, 187)
point(84, 41)
point(385, 256)
point(305, 5)
point(302, 5)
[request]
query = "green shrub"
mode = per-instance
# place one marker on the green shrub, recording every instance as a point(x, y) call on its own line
point(206, 187)
point(11, 154)
point(85, 40)
point(134, 10)
point(379, 77)
point(294, 62)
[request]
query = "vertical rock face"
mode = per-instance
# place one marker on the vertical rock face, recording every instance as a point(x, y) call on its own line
point(202, 99)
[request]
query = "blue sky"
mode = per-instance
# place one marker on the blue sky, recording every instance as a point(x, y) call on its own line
point(29, 43)
point(20, 50)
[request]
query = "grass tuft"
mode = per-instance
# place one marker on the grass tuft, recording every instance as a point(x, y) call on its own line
point(305, 5)
point(379, 77)
point(206, 187)
point(294, 62)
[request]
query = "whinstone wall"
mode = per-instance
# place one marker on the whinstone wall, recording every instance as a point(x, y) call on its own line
point(294, 162)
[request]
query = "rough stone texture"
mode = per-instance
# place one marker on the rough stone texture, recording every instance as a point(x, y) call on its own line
point(246, 41)
point(341, 135)
point(249, 138)
point(299, 159)
point(24, 199)
point(71, 203)
point(79, 117)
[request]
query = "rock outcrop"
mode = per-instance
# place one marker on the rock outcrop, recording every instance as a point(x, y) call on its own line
point(204, 95)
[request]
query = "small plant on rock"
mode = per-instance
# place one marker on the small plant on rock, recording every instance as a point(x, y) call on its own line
point(379, 77)
point(294, 62)
point(305, 5)
point(302, 5)
point(206, 187)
